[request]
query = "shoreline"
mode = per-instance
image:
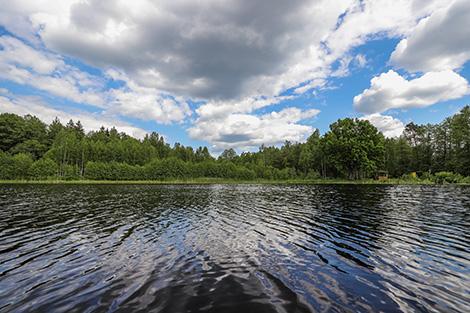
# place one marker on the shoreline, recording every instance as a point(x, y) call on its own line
point(203, 181)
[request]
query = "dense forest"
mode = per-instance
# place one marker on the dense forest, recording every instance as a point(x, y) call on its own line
point(351, 149)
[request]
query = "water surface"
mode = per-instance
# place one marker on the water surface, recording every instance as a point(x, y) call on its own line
point(234, 248)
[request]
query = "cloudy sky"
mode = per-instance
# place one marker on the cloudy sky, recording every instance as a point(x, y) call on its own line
point(235, 73)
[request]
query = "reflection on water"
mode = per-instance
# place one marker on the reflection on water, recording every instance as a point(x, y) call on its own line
point(241, 248)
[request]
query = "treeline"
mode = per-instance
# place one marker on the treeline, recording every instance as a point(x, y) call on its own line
point(351, 149)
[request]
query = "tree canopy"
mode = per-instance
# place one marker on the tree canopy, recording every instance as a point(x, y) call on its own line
point(351, 149)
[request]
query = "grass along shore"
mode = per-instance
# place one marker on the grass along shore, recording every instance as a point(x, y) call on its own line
point(208, 181)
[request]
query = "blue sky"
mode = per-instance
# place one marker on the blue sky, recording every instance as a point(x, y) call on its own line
point(238, 75)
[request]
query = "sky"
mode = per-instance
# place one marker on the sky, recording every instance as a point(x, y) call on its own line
point(236, 73)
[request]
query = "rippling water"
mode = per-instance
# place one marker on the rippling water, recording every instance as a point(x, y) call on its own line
point(234, 248)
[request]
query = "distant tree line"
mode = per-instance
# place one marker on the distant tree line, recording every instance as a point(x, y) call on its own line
point(351, 149)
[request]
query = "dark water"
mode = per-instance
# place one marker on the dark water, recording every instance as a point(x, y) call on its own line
point(243, 248)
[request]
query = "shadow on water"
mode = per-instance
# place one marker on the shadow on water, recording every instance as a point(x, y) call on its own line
point(237, 248)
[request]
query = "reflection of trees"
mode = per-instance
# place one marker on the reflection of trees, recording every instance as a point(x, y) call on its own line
point(103, 208)
point(351, 211)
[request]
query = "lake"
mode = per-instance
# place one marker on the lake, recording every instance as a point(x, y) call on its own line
point(234, 248)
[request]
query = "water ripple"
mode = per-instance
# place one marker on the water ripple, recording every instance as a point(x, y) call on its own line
point(234, 248)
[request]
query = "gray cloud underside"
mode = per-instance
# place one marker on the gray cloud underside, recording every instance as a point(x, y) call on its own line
point(206, 50)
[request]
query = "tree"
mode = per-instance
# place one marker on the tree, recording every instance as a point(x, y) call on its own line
point(355, 148)
point(54, 129)
point(398, 156)
point(228, 155)
point(310, 159)
point(352, 148)
point(32, 147)
point(460, 141)
point(12, 130)
point(202, 154)
point(35, 129)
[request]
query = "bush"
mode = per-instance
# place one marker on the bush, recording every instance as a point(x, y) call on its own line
point(465, 180)
point(281, 174)
point(21, 165)
point(244, 173)
point(312, 174)
point(426, 176)
point(96, 170)
point(70, 172)
point(43, 169)
point(447, 177)
point(166, 168)
point(15, 167)
point(6, 166)
point(113, 171)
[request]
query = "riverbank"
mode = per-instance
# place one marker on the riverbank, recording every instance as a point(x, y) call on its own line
point(208, 181)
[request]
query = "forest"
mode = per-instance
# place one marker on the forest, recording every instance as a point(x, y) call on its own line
point(351, 149)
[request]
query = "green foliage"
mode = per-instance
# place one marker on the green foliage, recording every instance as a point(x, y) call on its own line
point(30, 146)
point(412, 177)
point(22, 134)
point(228, 155)
point(312, 174)
point(70, 172)
point(21, 164)
point(352, 149)
point(447, 177)
point(12, 130)
point(7, 170)
point(113, 171)
point(43, 169)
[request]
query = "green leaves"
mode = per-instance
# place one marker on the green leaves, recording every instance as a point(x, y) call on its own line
point(353, 148)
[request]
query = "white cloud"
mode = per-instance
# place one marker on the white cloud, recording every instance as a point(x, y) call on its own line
point(216, 109)
point(148, 106)
point(392, 91)
point(145, 103)
point(439, 42)
point(46, 71)
point(230, 124)
point(378, 18)
point(207, 50)
point(248, 131)
point(388, 125)
point(26, 65)
point(235, 56)
point(90, 121)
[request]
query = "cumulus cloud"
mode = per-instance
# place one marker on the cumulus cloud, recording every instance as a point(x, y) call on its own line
point(48, 72)
point(235, 57)
point(25, 65)
point(212, 50)
point(145, 103)
point(148, 105)
point(369, 19)
point(227, 124)
point(34, 106)
point(216, 109)
point(204, 50)
point(388, 125)
point(439, 42)
point(392, 91)
point(247, 131)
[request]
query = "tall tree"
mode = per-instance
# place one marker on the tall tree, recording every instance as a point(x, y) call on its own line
point(355, 148)
point(12, 130)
